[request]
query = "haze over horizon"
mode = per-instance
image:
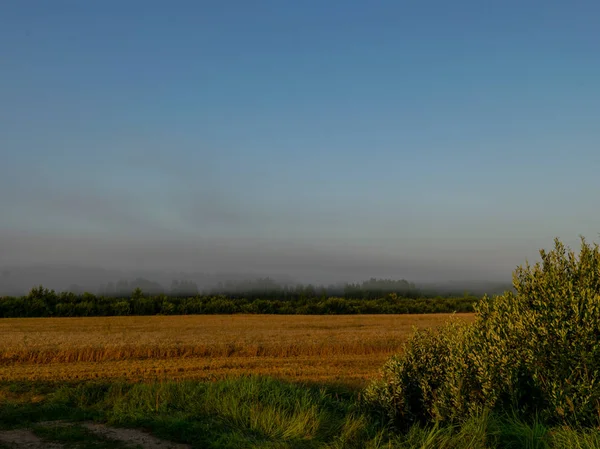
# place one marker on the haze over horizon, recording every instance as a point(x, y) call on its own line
point(325, 141)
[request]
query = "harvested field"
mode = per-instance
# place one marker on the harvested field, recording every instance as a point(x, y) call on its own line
point(331, 348)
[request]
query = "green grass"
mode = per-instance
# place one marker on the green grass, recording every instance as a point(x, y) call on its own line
point(256, 412)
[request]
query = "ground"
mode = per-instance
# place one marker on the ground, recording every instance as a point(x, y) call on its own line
point(347, 350)
point(318, 348)
point(62, 434)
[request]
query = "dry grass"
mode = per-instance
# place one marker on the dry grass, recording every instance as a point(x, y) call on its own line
point(336, 348)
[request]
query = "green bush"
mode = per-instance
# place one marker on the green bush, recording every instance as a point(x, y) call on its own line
point(534, 351)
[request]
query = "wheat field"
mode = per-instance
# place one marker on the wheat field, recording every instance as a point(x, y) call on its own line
point(338, 348)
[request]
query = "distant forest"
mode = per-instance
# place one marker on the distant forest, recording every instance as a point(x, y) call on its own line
point(263, 296)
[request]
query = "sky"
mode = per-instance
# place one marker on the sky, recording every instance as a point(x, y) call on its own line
point(426, 140)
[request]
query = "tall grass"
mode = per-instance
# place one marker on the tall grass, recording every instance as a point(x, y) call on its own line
point(246, 412)
point(256, 412)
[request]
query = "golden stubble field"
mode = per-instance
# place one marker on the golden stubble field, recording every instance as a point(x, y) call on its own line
point(337, 348)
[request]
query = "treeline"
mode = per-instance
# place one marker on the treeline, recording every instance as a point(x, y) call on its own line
point(41, 302)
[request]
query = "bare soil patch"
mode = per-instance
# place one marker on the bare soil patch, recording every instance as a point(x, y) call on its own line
point(25, 439)
point(133, 437)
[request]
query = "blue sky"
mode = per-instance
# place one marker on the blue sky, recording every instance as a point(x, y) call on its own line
point(390, 138)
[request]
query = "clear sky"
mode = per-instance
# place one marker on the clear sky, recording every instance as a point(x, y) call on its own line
point(416, 139)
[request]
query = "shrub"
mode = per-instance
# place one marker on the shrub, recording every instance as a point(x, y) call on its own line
point(535, 350)
point(418, 385)
point(121, 308)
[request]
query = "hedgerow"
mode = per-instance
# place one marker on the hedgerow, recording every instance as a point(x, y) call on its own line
point(46, 303)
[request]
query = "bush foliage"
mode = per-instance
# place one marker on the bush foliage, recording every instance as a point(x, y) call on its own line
point(535, 351)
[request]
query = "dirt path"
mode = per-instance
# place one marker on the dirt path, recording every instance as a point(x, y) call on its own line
point(132, 437)
point(27, 439)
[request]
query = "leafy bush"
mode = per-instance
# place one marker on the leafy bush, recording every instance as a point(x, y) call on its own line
point(536, 350)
